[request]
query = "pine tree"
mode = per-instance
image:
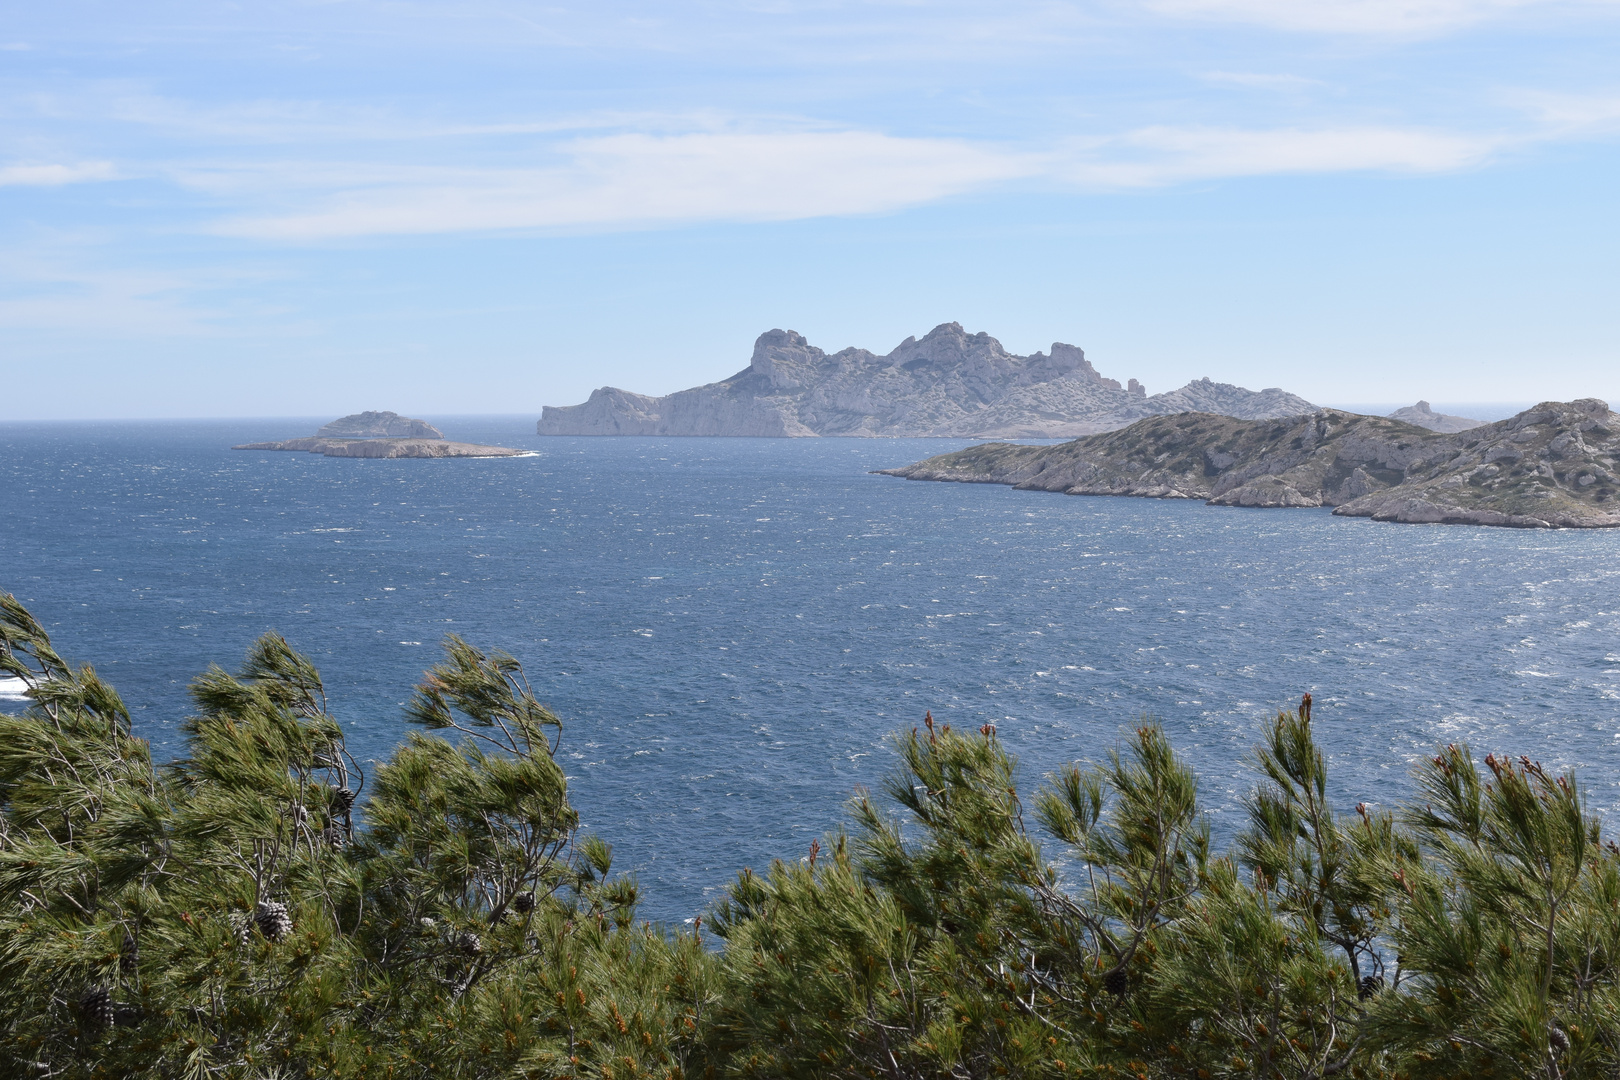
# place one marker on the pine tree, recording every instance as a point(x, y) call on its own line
point(197, 920)
point(260, 907)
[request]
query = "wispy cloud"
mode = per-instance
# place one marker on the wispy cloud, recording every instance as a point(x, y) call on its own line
point(637, 180)
point(1398, 17)
point(1156, 156)
point(1572, 115)
point(54, 175)
point(1260, 80)
point(44, 289)
point(630, 179)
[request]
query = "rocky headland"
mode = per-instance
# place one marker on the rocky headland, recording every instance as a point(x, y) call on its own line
point(949, 383)
point(1556, 465)
point(1425, 417)
point(382, 435)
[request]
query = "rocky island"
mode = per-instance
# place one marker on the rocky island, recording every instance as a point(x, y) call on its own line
point(380, 425)
point(949, 383)
point(1423, 416)
point(1552, 466)
point(382, 435)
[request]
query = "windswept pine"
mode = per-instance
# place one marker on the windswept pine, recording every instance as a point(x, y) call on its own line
point(262, 907)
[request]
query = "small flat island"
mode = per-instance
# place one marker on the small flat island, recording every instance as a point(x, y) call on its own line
point(383, 435)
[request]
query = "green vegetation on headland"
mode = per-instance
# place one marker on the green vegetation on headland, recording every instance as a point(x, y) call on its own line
point(1556, 465)
point(259, 909)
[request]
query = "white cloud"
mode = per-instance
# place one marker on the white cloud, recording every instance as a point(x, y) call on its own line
point(1256, 80)
point(1399, 17)
point(1166, 155)
point(637, 180)
point(631, 179)
point(1572, 115)
point(54, 175)
point(41, 290)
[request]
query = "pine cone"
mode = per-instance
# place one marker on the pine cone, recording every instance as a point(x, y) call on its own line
point(523, 903)
point(273, 921)
point(129, 954)
point(469, 943)
point(96, 1007)
point(1557, 1040)
point(1368, 986)
point(343, 800)
point(128, 1016)
point(1115, 983)
point(333, 837)
point(299, 814)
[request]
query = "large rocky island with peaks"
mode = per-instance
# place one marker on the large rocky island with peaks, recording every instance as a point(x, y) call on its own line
point(949, 383)
point(1556, 465)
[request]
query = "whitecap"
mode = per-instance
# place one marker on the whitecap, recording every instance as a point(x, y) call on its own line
point(12, 688)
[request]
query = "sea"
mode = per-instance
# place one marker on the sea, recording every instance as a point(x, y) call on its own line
point(733, 629)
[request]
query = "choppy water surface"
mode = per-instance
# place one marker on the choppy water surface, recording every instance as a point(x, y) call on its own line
point(731, 627)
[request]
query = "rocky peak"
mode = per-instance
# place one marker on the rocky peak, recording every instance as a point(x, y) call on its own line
point(1422, 415)
point(777, 352)
point(1071, 360)
point(948, 345)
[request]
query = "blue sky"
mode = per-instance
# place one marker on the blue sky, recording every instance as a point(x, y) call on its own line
point(232, 209)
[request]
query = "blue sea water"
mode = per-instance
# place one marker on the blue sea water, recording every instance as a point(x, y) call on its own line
point(731, 627)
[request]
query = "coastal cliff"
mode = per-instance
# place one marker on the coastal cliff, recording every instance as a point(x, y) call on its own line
point(948, 383)
point(1554, 465)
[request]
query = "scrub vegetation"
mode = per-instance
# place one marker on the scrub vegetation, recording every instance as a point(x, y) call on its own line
point(260, 909)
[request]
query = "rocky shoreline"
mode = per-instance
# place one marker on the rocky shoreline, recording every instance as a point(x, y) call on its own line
point(1552, 466)
point(385, 448)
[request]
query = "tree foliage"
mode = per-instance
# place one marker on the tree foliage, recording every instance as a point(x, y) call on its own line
point(261, 908)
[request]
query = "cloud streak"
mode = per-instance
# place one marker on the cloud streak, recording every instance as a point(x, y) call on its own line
point(637, 180)
point(1372, 17)
point(55, 175)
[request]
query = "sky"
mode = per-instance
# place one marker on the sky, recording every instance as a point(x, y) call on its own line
point(313, 207)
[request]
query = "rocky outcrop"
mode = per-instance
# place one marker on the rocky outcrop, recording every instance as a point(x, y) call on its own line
point(949, 383)
point(385, 448)
point(380, 425)
point(1557, 465)
point(1423, 416)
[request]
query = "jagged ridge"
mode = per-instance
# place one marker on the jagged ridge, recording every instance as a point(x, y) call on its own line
point(949, 383)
